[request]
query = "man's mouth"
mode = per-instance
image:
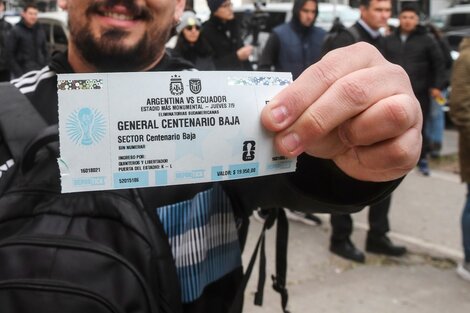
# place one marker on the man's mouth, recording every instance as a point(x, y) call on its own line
point(125, 11)
point(119, 16)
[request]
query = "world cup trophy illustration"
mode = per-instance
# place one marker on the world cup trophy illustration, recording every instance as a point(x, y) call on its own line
point(85, 116)
point(86, 126)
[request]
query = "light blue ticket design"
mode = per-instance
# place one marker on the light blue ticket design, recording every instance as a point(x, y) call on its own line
point(134, 130)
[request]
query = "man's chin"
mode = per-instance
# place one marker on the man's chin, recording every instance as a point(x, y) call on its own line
point(118, 57)
point(113, 38)
point(117, 50)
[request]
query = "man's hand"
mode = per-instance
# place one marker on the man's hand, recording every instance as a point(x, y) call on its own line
point(353, 107)
point(244, 52)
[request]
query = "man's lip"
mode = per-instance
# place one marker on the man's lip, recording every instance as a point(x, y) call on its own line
point(118, 16)
point(117, 21)
point(119, 9)
point(118, 12)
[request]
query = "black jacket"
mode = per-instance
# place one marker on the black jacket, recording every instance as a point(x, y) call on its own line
point(345, 38)
point(292, 47)
point(26, 49)
point(225, 40)
point(316, 185)
point(5, 28)
point(420, 56)
point(200, 54)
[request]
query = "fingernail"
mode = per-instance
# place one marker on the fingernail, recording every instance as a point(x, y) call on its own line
point(291, 142)
point(279, 114)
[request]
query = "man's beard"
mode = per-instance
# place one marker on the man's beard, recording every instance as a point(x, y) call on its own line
point(107, 55)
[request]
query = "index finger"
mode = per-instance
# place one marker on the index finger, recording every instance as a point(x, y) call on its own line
point(284, 109)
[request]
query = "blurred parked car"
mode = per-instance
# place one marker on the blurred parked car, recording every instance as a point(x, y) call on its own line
point(55, 24)
point(453, 18)
point(454, 22)
point(328, 12)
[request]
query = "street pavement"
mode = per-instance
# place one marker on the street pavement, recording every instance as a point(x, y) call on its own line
point(425, 216)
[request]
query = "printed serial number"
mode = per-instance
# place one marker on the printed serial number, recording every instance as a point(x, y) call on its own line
point(128, 180)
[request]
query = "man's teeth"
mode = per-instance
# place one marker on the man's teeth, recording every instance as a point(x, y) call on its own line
point(118, 16)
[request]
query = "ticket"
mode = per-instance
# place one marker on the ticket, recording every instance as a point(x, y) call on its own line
point(133, 130)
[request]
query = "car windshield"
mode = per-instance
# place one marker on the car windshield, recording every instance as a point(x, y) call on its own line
point(343, 15)
point(349, 15)
point(451, 20)
point(459, 19)
point(325, 16)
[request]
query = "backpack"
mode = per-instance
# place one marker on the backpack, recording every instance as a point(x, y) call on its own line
point(97, 252)
point(331, 39)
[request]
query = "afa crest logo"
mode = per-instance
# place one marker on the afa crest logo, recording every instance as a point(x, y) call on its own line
point(86, 126)
point(176, 85)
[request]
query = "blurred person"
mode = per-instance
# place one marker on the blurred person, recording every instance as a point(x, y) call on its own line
point(294, 45)
point(27, 43)
point(222, 32)
point(338, 164)
point(374, 16)
point(412, 47)
point(436, 121)
point(460, 114)
point(5, 29)
point(190, 45)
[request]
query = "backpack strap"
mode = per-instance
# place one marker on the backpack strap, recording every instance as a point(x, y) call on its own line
point(354, 32)
point(46, 136)
point(279, 280)
point(19, 120)
point(331, 41)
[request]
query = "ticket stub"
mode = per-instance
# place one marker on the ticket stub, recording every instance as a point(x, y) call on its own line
point(132, 130)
